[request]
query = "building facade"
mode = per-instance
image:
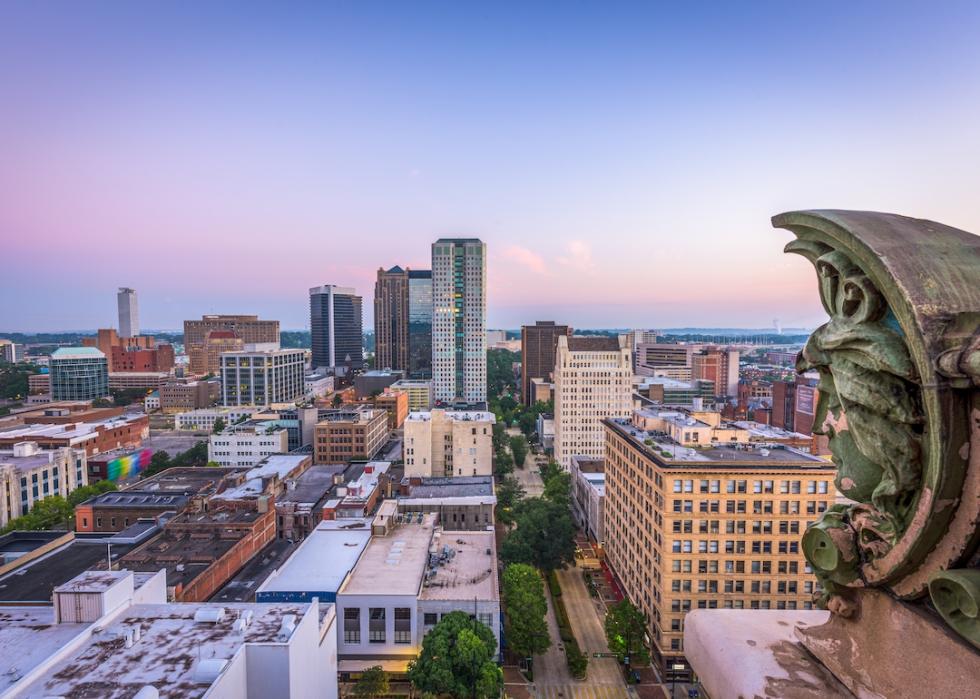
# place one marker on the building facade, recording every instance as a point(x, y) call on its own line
point(710, 525)
point(265, 377)
point(459, 326)
point(129, 315)
point(539, 344)
point(346, 435)
point(396, 404)
point(419, 393)
point(79, 373)
point(589, 495)
point(593, 381)
point(336, 328)
point(29, 474)
point(663, 359)
point(391, 319)
point(252, 330)
point(444, 444)
point(720, 366)
point(205, 357)
point(191, 395)
point(420, 324)
point(247, 444)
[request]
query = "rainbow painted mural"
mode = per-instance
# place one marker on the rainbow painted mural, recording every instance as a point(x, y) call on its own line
point(124, 467)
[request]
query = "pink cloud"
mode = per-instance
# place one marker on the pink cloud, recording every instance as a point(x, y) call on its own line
point(527, 258)
point(578, 256)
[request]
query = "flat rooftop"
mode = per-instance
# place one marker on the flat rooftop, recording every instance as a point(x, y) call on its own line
point(461, 486)
point(457, 415)
point(138, 499)
point(763, 431)
point(185, 480)
point(35, 581)
point(22, 464)
point(310, 487)
point(277, 466)
point(166, 656)
point(672, 454)
point(467, 571)
point(321, 563)
point(393, 564)
point(28, 637)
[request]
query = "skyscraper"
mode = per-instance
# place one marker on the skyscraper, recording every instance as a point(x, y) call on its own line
point(593, 381)
point(459, 324)
point(391, 319)
point(538, 345)
point(420, 324)
point(129, 315)
point(336, 328)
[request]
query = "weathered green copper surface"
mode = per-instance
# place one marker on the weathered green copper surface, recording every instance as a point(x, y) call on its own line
point(956, 595)
point(898, 361)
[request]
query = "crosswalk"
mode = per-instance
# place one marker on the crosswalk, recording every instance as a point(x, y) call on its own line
point(580, 691)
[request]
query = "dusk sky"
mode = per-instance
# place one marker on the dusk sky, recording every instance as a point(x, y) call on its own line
point(621, 162)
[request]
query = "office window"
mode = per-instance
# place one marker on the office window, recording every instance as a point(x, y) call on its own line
point(352, 625)
point(376, 625)
point(403, 625)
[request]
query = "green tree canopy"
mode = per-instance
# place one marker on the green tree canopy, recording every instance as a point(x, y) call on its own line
point(526, 608)
point(80, 495)
point(518, 447)
point(544, 536)
point(504, 462)
point(373, 683)
point(625, 626)
point(219, 425)
point(457, 659)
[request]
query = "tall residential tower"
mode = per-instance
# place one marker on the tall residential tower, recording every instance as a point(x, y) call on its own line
point(459, 324)
point(129, 314)
point(391, 319)
point(335, 328)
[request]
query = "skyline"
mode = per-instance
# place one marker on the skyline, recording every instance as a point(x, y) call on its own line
point(621, 166)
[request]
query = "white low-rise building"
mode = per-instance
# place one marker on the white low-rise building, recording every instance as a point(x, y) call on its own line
point(409, 575)
point(445, 443)
point(589, 495)
point(202, 420)
point(247, 444)
point(113, 634)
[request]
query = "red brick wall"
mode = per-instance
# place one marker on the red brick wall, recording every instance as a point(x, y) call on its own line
point(221, 571)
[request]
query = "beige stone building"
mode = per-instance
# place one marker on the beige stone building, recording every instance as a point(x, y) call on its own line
point(593, 381)
point(698, 517)
point(442, 443)
point(29, 474)
point(348, 434)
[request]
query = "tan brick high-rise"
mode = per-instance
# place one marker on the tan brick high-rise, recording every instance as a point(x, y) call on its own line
point(696, 517)
point(391, 319)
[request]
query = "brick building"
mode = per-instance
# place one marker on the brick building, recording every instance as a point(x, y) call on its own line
point(345, 435)
point(396, 403)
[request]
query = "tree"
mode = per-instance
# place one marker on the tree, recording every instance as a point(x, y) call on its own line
point(526, 608)
point(528, 422)
point(558, 488)
point(505, 463)
point(544, 536)
point(518, 447)
point(625, 626)
point(219, 425)
point(80, 495)
point(499, 436)
point(373, 683)
point(337, 400)
point(457, 659)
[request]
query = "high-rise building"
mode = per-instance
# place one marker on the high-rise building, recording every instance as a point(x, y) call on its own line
point(664, 359)
point(79, 373)
point(205, 357)
point(635, 338)
point(8, 351)
point(391, 319)
point(129, 315)
point(593, 381)
point(719, 365)
point(263, 377)
point(697, 516)
point(449, 444)
point(336, 328)
point(459, 323)
point(252, 330)
point(539, 342)
point(419, 324)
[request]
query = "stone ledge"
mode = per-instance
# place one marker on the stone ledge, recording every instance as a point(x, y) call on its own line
point(743, 654)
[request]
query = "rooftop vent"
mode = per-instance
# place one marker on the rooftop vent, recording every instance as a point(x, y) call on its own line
point(287, 628)
point(209, 615)
point(207, 671)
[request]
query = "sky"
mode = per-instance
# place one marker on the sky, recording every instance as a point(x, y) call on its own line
point(621, 161)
